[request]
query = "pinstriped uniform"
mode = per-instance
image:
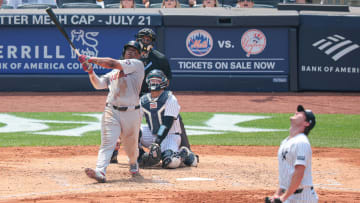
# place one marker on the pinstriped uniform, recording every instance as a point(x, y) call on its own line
point(292, 152)
point(124, 88)
point(171, 108)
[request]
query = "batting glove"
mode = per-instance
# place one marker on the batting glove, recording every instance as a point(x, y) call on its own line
point(87, 68)
point(84, 59)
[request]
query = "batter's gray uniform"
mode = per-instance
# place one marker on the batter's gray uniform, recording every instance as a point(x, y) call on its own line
point(154, 111)
point(292, 152)
point(122, 115)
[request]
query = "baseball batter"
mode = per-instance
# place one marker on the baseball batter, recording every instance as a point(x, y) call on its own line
point(163, 132)
point(152, 59)
point(122, 115)
point(294, 156)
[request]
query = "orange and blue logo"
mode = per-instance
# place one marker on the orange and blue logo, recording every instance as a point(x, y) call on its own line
point(199, 43)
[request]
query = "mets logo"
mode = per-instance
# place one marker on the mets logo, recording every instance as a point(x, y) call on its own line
point(253, 42)
point(199, 43)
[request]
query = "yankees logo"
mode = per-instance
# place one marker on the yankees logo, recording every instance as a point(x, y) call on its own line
point(253, 42)
point(283, 154)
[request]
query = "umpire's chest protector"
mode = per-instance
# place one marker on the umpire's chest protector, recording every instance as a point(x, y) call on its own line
point(154, 110)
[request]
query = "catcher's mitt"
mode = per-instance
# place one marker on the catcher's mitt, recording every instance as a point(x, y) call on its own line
point(276, 200)
point(155, 151)
point(152, 158)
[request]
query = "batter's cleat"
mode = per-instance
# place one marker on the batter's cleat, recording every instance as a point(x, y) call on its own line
point(134, 169)
point(97, 175)
point(113, 159)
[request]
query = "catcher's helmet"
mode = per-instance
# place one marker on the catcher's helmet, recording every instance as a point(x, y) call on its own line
point(131, 43)
point(156, 80)
point(146, 32)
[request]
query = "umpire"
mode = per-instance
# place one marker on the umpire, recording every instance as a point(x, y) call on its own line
point(152, 59)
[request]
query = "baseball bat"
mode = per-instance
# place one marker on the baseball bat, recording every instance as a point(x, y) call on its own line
point(50, 12)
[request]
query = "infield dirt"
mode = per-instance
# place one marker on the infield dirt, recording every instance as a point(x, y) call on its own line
point(224, 174)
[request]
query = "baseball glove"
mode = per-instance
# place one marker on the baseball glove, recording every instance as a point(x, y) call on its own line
point(152, 158)
point(276, 200)
point(155, 151)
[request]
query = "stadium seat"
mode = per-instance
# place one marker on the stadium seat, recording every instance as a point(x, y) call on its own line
point(115, 5)
point(155, 5)
point(139, 5)
point(184, 2)
point(111, 2)
point(80, 5)
point(184, 5)
point(267, 2)
point(118, 5)
point(227, 2)
point(155, 1)
point(263, 6)
point(4, 6)
point(78, 1)
point(36, 6)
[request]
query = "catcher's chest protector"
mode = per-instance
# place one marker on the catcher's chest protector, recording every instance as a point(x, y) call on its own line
point(154, 110)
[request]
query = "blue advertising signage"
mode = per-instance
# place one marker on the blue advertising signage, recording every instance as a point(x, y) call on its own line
point(43, 50)
point(329, 53)
point(80, 20)
point(234, 51)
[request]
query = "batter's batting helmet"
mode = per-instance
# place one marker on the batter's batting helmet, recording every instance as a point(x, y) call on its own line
point(146, 32)
point(131, 43)
point(156, 80)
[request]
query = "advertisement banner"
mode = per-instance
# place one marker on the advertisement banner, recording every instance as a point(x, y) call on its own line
point(43, 50)
point(80, 20)
point(329, 53)
point(228, 51)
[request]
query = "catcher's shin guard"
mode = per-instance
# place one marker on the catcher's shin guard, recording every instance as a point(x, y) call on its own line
point(170, 159)
point(188, 157)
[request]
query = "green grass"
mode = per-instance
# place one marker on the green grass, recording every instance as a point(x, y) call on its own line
point(331, 130)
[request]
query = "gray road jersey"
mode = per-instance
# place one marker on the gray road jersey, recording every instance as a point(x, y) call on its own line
point(124, 86)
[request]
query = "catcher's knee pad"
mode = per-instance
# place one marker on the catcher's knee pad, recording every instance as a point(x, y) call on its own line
point(169, 159)
point(188, 157)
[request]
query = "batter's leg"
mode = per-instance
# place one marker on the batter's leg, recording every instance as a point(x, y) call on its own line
point(110, 131)
point(130, 124)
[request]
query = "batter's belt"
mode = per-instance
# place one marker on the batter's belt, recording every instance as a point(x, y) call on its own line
point(123, 108)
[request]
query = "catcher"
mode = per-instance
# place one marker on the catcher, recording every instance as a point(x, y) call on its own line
point(165, 134)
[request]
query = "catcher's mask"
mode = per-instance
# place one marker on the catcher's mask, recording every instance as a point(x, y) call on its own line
point(145, 32)
point(156, 80)
point(131, 43)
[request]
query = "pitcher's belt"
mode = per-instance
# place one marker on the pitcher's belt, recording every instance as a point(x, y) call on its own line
point(123, 108)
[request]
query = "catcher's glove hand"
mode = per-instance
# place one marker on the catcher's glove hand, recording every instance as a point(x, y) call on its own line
point(276, 200)
point(155, 151)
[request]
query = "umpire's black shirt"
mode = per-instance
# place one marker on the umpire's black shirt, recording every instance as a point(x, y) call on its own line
point(155, 60)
